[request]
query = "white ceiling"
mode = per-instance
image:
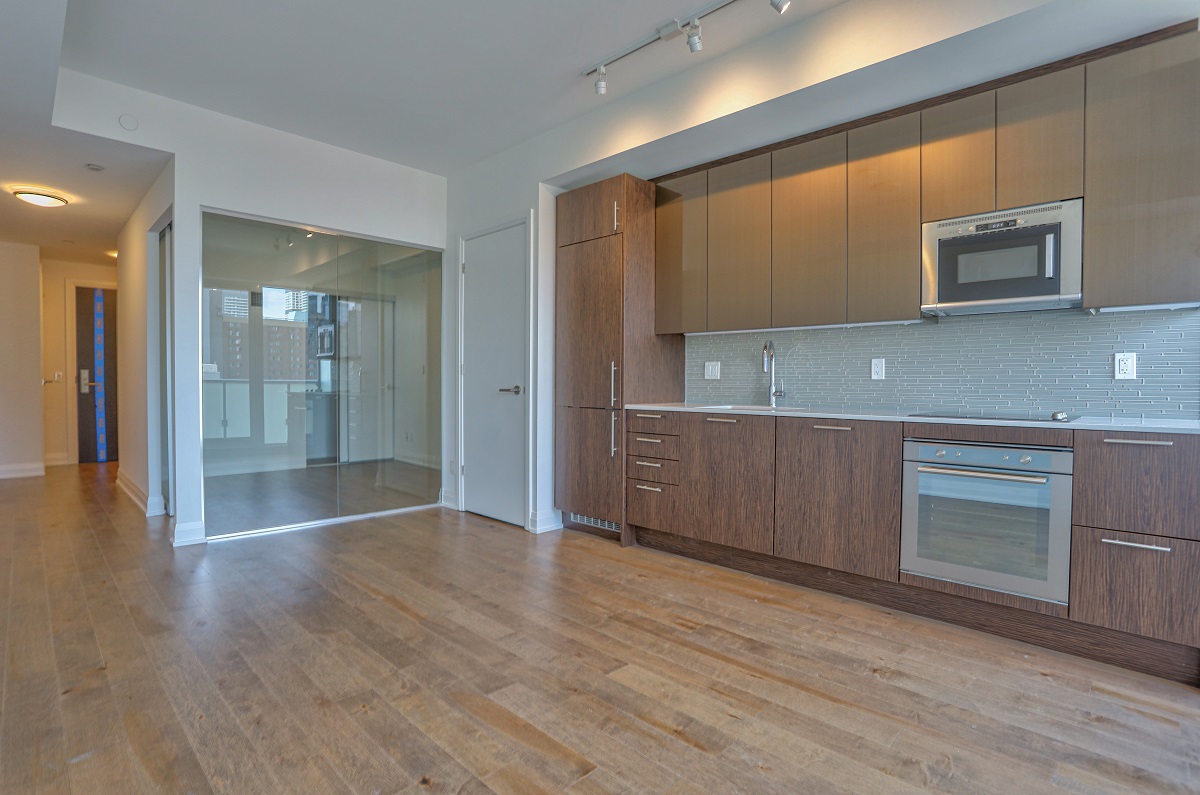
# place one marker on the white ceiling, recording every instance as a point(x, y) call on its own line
point(433, 85)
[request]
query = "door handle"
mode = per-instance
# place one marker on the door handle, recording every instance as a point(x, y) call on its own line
point(516, 390)
point(612, 384)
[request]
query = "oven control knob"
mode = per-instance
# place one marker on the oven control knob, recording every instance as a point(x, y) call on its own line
point(1025, 459)
point(940, 453)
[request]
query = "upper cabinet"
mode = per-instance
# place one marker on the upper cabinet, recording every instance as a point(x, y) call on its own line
point(958, 157)
point(883, 277)
point(808, 233)
point(1039, 139)
point(1141, 224)
point(681, 255)
point(739, 245)
point(589, 212)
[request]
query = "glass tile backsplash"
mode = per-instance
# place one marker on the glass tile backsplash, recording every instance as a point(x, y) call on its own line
point(1031, 362)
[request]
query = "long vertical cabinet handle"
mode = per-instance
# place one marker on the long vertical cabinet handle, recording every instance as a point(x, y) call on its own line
point(616, 224)
point(612, 384)
point(612, 437)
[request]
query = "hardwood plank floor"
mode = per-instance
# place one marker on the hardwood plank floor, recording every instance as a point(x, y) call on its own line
point(443, 652)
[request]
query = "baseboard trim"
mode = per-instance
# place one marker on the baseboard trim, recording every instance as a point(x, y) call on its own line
point(22, 471)
point(188, 533)
point(132, 490)
point(544, 522)
point(449, 499)
point(58, 460)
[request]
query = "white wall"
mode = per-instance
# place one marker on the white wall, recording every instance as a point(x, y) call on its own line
point(58, 399)
point(20, 362)
point(230, 165)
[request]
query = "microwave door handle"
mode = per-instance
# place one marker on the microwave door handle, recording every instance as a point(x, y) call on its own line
point(1050, 256)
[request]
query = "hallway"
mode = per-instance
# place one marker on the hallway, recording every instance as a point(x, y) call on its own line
point(438, 651)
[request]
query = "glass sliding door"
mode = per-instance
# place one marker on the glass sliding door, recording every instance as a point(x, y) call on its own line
point(307, 366)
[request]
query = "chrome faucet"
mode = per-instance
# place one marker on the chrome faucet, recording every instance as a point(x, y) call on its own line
point(769, 367)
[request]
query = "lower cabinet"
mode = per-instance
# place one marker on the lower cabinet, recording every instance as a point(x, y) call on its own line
point(653, 505)
point(837, 494)
point(1141, 584)
point(589, 462)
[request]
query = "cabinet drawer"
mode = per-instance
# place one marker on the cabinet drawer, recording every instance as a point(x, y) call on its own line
point(652, 421)
point(653, 445)
point(1142, 584)
point(652, 505)
point(1138, 482)
point(659, 470)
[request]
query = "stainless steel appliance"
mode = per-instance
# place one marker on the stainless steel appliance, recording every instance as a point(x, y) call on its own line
point(1007, 261)
point(992, 516)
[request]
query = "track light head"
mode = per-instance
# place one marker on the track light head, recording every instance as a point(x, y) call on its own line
point(601, 81)
point(780, 5)
point(693, 36)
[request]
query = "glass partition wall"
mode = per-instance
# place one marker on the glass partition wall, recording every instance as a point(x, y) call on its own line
point(321, 375)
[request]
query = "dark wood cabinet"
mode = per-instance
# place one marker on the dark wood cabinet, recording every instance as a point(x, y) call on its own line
point(837, 494)
point(1141, 224)
point(727, 479)
point(1138, 482)
point(1039, 139)
point(590, 212)
point(958, 157)
point(681, 255)
point(590, 467)
point(588, 328)
point(653, 504)
point(1141, 584)
point(808, 233)
point(883, 275)
point(739, 245)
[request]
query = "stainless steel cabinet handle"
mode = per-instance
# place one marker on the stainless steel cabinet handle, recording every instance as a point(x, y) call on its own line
point(612, 384)
point(648, 488)
point(718, 419)
point(644, 439)
point(967, 473)
point(1135, 546)
point(648, 464)
point(649, 416)
point(612, 436)
point(516, 390)
point(1050, 256)
point(833, 427)
point(615, 223)
point(1145, 442)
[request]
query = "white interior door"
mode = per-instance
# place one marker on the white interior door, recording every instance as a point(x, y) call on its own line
point(495, 393)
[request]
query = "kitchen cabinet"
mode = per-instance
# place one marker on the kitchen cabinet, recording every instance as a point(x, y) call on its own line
point(837, 494)
point(1141, 226)
point(739, 245)
point(727, 480)
point(681, 255)
point(883, 277)
point(1141, 584)
point(1138, 482)
point(958, 157)
point(606, 351)
point(808, 233)
point(1039, 139)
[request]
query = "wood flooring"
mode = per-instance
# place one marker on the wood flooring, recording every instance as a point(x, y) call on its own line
point(442, 652)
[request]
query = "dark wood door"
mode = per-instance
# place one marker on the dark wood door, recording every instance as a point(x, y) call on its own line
point(739, 245)
point(727, 480)
point(1136, 583)
point(588, 320)
point(1138, 482)
point(588, 463)
point(96, 373)
point(837, 494)
point(589, 212)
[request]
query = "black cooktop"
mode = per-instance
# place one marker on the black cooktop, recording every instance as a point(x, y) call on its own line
point(1049, 417)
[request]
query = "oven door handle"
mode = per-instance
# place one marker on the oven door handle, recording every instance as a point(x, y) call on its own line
point(967, 473)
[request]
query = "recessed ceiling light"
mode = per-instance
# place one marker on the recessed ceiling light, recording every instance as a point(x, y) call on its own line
point(93, 166)
point(40, 198)
point(780, 5)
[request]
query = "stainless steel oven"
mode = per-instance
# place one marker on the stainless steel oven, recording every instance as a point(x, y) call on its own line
point(992, 516)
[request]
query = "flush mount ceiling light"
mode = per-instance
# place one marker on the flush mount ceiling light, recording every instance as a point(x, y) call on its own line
point(694, 42)
point(601, 81)
point(39, 197)
point(780, 5)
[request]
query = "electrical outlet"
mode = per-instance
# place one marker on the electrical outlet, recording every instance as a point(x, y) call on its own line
point(712, 371)
point(878, 372)
point(1124, 366)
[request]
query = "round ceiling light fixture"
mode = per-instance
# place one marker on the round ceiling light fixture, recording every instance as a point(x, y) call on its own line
point(780, 5)
point(40, 198)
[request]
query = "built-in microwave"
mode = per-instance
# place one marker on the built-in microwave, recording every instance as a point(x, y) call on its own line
point(1006, 261)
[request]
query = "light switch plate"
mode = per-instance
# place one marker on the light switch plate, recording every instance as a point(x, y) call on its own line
point(878, 371)
point(712, 371)
point(1124, 366)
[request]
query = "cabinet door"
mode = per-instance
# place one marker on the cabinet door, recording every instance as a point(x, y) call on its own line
point(808, 233)
point(1138, 482)
point(1039, 139)
point(727, 480)
point(837, 494)
point(1140, 584)
point(884, 219)
point(588, 463)
point(1141, 225)
point(958, 157)
point(587, 323)
point(589, 212)
point(681, 255)
point(739, 245)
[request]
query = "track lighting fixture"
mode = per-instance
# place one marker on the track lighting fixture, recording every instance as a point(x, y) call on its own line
point(780, 5)
point(601, 81)
point(693, 36)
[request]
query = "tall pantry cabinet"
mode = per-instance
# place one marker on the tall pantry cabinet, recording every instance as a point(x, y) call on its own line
point(606, 351)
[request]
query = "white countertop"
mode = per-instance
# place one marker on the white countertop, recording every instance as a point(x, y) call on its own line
point(1084, 423)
